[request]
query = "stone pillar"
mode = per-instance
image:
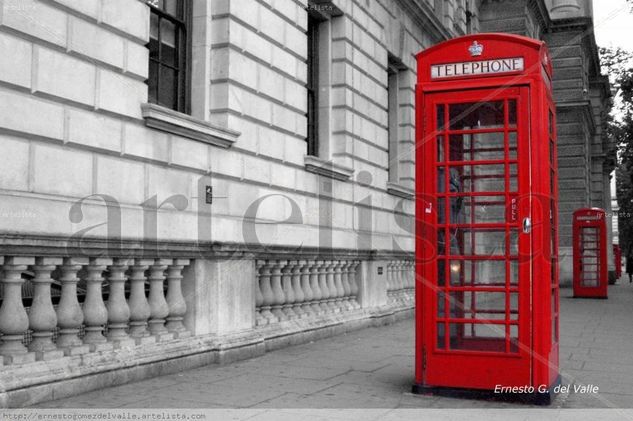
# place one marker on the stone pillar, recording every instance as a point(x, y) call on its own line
point(175, 299)
point(289, 294)
point(159, 310)
point(267, 292)
point(331, 286)
point(372, 283)
point(347, 287)
point(139, 306)
point(308, 294)
point(323, 286)
point(297, 288)
point(259, 297)
point(14, 322)
point(278, 292)
point(352, 273)
point(95, 311)
point(42, 317)
point(315, 307)
point(118, 309)
point(338, 283)
point(70, 317)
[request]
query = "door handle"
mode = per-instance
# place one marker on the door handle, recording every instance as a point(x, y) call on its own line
point(527, 225)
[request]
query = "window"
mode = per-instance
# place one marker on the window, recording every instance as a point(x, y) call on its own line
point(313, 85)
point(168, 55)
point(395, 70)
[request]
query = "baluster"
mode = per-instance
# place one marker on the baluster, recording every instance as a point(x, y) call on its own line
point(390, 282)
point(14, 322)
point(331, 302)
point(259, 297)
point(95, 311)
point(267, 292)
point(323, 285)
point(308, 293)
point(70, 317)
point(42, 316)
point(118, 309)
point(297, 307)
point(401, 280)
point(278, 292)
point(317, 295)
point(289, 295)
point(347, 287)
point(338, 284)
point(352, 276)
point(175, 300)
point(159, 309)
point(140, 310)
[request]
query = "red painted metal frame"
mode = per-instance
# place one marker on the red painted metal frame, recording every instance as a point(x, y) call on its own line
point(593, 220)
point(536, 362)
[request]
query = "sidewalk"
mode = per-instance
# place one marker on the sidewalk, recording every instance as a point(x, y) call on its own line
point(373, 368)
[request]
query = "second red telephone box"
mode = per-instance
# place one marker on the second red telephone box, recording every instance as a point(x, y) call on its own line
point(591, 275)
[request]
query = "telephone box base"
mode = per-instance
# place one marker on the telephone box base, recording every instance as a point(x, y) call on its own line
point(535, 398)
point(599, 297)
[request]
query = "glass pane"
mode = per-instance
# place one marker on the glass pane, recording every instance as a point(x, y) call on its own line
point(152, 82)
point(514, 272)
point(513, 178)
point(512, 145)
point(477, 336)
point(440, 117)
point(478, 273)
point(166, 89)
point(168, 54)
point(476, 115)
point(512, 112)
point(479, 242)
point(441, 304)
point(440, 148)
point(481, 178)
point(478, 305)
point(153, 26)
point(453, 180)
point(441, 341)
point(514, 306)
point(589, 257)
point(171, 7)
point(477, 147)
point(440, 273)
point(514, 338)
point(482, 209)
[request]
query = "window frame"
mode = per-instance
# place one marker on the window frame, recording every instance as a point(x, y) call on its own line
point(183, 36)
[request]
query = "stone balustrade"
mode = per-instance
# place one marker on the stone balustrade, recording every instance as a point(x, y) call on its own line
point(400, 282)
point(299, 289)
point(105, 320)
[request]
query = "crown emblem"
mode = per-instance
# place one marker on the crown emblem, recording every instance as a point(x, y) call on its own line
point(476, 49)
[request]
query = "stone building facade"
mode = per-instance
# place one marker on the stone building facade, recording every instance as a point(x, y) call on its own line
point(260, 195)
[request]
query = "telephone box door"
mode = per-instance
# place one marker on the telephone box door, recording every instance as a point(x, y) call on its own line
point(477, 285)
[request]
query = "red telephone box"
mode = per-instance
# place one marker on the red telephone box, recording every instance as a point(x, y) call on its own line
point(486, 225)
point(591, 275)
point(617, 257)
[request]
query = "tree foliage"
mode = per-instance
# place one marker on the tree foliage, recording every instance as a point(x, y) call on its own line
point(618, 64)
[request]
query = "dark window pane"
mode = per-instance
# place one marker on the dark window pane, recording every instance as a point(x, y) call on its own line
point(166, 89)
point(440, 117)
point(152, 82)
point(512, 112)
point(476, 115)
point(168, 43)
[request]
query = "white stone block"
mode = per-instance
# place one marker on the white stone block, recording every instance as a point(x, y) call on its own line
point(24, 113)
point(256, 169)
point(296, 40)
point(164, 183)
point(189, 153)
point(86, 7)
point(62, 171)
point(93, 129)
point(283, 175)
point(241, 69)
point(121, 94)
point(17, 70)
point(270, 82)
point(94, 41)
point(122, 179)
point(145, 143)
point(283, 60)
point(272, 25)
point(246, 10)
point(270, 143)
point(294, 151)
point(64, 76)
point(15, 165)
point(284, 118)
point(129, 16)
point(226, 162)
point(36, 19)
